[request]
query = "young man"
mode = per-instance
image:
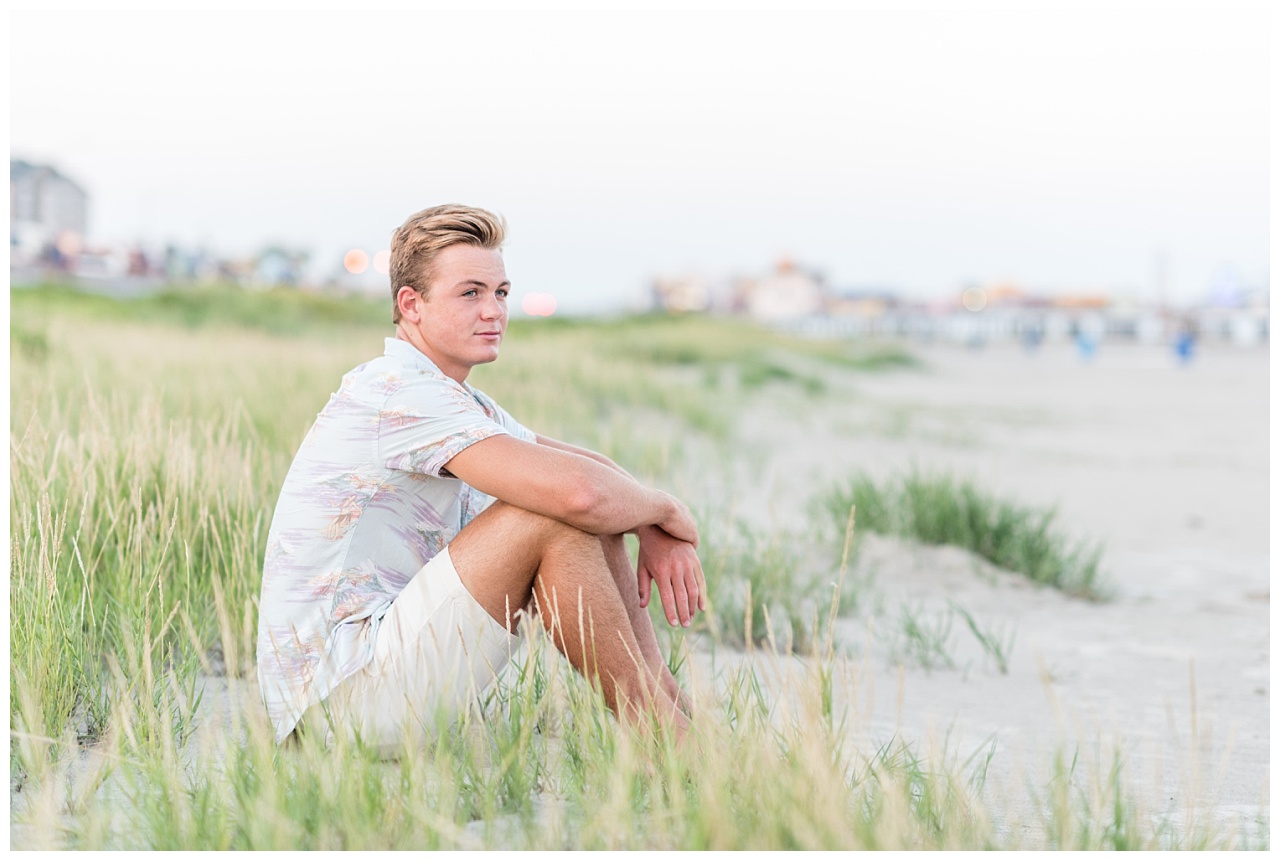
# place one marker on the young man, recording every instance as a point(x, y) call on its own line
point(419, 522)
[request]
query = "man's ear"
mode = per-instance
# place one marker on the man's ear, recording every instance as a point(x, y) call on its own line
point(407, 300)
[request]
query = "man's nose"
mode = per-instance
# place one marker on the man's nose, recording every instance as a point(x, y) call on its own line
point(492, 307)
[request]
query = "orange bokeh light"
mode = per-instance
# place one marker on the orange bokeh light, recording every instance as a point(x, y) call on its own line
point(382, 262)
point(355, 261)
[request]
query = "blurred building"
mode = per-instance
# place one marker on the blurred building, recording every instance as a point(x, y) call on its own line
point(979, 314)
point(279, 266)
point(48, 212)
point(681, 294)
point(862, 302)
point(788, 293)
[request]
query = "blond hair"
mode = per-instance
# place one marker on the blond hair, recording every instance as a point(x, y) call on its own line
point(416, 243)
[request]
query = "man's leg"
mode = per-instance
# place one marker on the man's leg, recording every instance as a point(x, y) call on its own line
point(508, 555)
point(615, 552)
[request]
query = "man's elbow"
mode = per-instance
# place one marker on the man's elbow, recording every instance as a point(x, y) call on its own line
point(584, 505)
point(588, 508)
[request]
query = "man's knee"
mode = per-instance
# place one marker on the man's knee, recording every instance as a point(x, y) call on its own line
point(522, 523)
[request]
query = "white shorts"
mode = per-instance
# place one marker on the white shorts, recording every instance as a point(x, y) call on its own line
point(436, 651)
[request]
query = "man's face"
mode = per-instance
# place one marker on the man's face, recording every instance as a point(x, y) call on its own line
point(464, 314)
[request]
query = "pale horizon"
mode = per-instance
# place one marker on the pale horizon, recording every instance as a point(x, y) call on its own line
point(914, 150)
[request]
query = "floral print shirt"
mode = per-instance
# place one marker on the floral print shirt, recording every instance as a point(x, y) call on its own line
point(366, 503)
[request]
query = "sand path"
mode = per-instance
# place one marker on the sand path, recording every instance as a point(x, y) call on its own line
point(1167, 465)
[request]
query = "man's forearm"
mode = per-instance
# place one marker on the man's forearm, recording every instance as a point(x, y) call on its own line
point(616, 502)
point(582, 452)
point(601, 459)
point(571, 487)
point(639, 531)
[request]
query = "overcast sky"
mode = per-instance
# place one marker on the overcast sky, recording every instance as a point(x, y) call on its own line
point(922, 150)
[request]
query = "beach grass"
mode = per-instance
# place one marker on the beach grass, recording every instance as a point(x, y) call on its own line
point(775, 765)
point(997, 643)
point(944, 509)
point(148, 444)
point(924, 640)
point(769, 588)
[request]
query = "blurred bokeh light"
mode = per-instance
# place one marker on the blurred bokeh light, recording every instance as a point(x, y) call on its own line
point(355, 261)
point(539, 304)
point(974, 299)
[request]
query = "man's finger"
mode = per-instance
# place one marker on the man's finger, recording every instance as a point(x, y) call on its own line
point(702, 585)
point(668, 600)
point(695, 594)
point(643, 577)
point(682, 599)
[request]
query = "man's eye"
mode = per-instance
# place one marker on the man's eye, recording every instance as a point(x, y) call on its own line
point(503, 293)
point(471, 292)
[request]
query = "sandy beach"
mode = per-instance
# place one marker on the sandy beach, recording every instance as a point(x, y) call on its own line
point(1167, 465)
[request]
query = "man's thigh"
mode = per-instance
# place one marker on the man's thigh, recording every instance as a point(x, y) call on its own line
point(498, 554)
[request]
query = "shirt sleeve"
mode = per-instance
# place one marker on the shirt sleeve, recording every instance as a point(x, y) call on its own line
point(426, 422)
point(504, 418)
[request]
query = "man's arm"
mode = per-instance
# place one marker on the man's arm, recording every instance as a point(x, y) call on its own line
point(570, 487)
point(671, 563)
point(581, 452)
point(589, 491)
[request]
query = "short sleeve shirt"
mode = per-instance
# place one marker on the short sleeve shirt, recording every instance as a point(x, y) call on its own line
point(365, 505)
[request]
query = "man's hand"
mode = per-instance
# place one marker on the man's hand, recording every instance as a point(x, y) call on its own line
point(679, 523)
point(675, 566)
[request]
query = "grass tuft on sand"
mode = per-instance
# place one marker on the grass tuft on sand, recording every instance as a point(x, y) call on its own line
point(943, 509)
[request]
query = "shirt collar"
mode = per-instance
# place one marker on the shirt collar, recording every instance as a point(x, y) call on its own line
point(410, 355)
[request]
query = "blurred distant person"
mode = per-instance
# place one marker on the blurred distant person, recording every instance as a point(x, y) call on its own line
point(420, 522)
point(1086, 346)
point(1032, 335)
point(137, 262)
point(1184, 342)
